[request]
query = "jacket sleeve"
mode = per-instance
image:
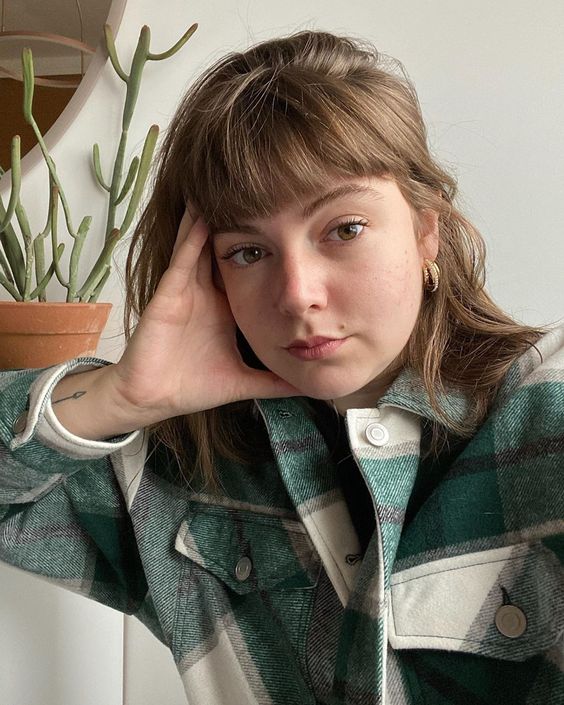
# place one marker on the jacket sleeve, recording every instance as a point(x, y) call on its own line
point(529, 443)
point(62, 513)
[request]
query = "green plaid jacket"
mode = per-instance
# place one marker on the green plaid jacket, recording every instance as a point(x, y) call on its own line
point(260, 591)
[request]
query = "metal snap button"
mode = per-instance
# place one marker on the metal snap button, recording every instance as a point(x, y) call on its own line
point(510, 621)
point(243, 568)
point(376, 434)
point(20, 423)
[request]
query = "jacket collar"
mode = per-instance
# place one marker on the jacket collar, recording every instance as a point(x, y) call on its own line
point(408, 392)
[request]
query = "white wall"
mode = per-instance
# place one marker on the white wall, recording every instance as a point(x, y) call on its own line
point(56, 648)
point(490, 79)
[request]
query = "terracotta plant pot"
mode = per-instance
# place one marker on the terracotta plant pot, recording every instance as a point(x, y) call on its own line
point(41, 334)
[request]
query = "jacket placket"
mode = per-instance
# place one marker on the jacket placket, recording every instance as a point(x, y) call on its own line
point(389, 470)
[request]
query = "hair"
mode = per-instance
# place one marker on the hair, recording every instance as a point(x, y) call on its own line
point(261, 128)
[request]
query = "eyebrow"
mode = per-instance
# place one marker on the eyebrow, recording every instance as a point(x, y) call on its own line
point(309, 209)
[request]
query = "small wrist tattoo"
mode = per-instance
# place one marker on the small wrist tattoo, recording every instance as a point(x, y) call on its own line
point(76, 395)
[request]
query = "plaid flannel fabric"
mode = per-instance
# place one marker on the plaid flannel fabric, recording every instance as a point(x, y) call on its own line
point(260, 591)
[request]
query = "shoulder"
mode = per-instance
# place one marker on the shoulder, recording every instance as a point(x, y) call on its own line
point(535, 381)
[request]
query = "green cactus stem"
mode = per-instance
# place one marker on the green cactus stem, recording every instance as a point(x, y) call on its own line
point(39, 261)
point(6, 268)
point(28, 84)
point(39, 243)
point(13, 263)
point(135, 74)
point(112, 53)
point(98, 168)
point(40, 289)
point(23, 222)
point(128, 183)
point(133, 81)
point(16, 176)
point(138, 171)
point(28, 74)
point(99, 268)
point(142, 174)
point(75, 256)
point(54, 226)
point(10, 288)
point(176, 47)
point(94, 297)
point(13, 258)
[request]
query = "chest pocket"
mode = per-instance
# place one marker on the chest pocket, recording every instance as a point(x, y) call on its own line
point(248, 551)
point(505, 603)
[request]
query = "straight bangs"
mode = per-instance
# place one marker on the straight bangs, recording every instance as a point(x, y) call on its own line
point(279, 138)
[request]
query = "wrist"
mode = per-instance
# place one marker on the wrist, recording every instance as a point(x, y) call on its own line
point(88, 405)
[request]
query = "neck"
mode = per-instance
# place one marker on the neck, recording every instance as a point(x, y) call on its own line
point(367, 397)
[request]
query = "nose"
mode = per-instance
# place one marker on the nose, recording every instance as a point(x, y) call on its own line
point(300, 286)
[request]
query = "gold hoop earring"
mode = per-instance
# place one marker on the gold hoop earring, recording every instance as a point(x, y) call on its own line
point(431, 275)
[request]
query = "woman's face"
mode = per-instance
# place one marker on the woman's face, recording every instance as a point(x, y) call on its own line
point(347, 267)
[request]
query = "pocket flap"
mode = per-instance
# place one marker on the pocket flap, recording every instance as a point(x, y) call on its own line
point(249, 551)
point(506, 603)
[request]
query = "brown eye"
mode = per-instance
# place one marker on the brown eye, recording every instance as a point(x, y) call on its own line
point(244, 255)
point(348, 230)
point(251, 254)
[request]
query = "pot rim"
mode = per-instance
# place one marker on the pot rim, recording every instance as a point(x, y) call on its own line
point(54, 304)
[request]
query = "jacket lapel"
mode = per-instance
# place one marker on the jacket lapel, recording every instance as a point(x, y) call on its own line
point(310, 478)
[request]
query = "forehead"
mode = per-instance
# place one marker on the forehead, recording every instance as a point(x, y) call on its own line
point(307, 205)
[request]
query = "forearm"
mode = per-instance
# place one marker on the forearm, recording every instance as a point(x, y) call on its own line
point(88, 405)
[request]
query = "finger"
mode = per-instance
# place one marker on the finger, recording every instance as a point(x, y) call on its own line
point(217, 277)
point(204, 269)
point(191, 241)
point(186, 223)
point(192, 210)
point(181, 270)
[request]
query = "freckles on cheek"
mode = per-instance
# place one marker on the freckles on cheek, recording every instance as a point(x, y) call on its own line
point(407, 276)
point(400, 288)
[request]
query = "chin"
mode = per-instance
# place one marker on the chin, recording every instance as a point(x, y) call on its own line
point(327, 389)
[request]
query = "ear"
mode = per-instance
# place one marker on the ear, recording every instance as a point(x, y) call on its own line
point(427, 228)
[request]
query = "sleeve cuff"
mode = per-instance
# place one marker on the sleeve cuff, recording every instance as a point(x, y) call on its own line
point(40, 421)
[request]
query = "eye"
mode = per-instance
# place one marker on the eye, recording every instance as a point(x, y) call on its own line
point(243, 255)
point(348, 229)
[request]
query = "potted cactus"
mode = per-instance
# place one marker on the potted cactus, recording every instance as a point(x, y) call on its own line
point(34, 332)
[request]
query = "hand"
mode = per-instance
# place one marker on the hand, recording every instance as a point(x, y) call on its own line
point(183, 355)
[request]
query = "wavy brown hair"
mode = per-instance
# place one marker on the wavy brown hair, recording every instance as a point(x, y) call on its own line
point(263, 127)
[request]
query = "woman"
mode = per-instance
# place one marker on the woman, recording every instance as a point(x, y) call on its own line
point(347, 485)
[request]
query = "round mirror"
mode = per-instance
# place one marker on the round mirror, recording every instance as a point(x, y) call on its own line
point(63, 36)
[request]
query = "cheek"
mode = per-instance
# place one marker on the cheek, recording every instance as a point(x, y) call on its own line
point(238, 294)
point(408, 290)
point(409, 279)
point(394, 289)
point(236, 300)
point(246, 309)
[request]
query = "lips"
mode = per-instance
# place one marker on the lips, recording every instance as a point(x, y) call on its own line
point(318, 347)
point(310, 342)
